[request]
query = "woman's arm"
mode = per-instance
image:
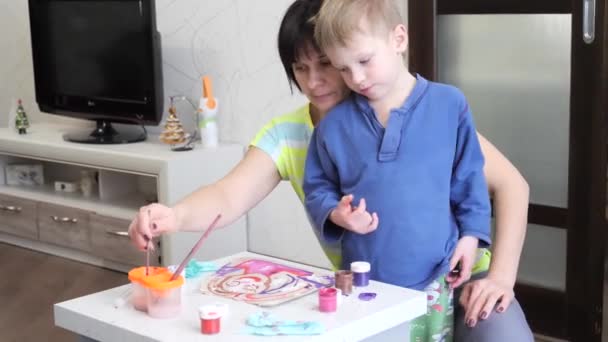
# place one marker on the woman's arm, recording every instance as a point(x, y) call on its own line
point(510, 193)
point(252, 179)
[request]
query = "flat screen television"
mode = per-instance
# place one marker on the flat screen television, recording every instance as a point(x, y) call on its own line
point(98, 60)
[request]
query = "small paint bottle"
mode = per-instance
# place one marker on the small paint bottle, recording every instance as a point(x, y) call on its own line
point(344, 281)
point(328, 301)
point(360, 271)
point(210, 319)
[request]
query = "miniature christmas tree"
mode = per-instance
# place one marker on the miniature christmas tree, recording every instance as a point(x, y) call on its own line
point(21, 121)
point(173, 133)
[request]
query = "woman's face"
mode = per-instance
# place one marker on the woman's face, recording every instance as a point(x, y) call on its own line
point(319, 80)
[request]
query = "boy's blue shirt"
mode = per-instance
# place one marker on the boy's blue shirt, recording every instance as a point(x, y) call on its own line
point(422, 174)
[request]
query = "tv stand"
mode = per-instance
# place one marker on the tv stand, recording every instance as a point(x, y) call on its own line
point(93, 229)
point(105, 133)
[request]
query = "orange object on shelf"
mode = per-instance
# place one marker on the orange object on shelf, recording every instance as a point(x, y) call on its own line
point(208, 92)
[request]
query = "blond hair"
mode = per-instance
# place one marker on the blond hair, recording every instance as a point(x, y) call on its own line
point(339, 19)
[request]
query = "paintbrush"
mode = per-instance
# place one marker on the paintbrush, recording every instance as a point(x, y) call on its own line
point(198, 244)
point(148, 257)
point(148, 249)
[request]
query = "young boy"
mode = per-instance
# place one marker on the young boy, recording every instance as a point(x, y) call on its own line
point(404, 149)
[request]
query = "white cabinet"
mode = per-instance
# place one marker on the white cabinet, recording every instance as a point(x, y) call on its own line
point(128, 176)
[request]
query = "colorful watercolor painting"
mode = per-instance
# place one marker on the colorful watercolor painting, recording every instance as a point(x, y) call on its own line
point(262, 282)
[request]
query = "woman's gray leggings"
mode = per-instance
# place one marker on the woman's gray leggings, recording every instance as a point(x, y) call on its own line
point(507, 326)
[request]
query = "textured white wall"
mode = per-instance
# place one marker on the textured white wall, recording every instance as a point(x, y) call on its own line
point(16, 74)
point(235, 43)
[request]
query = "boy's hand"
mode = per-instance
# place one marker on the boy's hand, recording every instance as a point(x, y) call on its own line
point(355, 219)
point(465, 255)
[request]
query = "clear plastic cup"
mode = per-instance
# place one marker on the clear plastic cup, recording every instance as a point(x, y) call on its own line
point(138, 297)
point(164, 296)
point(137, 277)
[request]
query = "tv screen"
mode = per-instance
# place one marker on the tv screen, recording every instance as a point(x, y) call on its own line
point(97, 59)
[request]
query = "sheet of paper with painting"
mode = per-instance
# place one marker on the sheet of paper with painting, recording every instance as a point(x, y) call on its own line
point(262, 282)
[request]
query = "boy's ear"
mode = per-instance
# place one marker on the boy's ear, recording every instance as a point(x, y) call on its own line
point(400, 38)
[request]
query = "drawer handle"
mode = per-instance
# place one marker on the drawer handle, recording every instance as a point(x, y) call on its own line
point(121, 234)
point(64, 219)
point(10, 208)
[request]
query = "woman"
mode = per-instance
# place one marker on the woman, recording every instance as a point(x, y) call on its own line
point(278, 153)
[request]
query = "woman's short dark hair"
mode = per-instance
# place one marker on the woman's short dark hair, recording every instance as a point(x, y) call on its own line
point(296, 33)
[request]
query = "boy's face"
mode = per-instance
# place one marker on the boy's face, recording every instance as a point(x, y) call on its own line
point(369, 62)
point(318, 79)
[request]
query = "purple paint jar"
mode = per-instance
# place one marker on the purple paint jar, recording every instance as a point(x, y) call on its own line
point(360, 271)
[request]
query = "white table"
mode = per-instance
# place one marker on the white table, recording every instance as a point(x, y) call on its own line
point(95, 316)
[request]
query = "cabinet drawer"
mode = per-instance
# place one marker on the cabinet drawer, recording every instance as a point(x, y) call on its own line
point(64, 226)
point(110, 240)
point(18, 217)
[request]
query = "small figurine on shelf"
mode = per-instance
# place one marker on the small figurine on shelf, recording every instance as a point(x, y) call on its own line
point(21, 121)
point(173, 133)
point(207, 110)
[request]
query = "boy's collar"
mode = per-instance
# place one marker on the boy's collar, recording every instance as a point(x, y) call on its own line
point(391, 139)
point(410, 102)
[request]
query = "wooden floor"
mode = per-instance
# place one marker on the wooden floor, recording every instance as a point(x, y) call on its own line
point(31, 282)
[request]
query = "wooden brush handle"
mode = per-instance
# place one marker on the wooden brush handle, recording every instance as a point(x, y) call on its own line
point(198, 244)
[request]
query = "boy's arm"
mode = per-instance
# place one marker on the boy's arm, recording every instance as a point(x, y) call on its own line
point(469, 192)
point(321, 190)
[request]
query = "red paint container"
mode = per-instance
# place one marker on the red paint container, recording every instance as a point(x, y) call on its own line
point(328, 299)
point(210, 326)
point(211, 316)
